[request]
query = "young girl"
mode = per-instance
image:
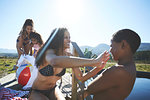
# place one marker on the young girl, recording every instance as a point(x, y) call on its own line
point(53, 63)
point(36, 42)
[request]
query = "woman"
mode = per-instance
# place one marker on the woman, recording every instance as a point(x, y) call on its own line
point(36, 42)
point(23, 41)
point(52, 66)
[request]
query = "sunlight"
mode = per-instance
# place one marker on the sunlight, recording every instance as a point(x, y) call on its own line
point(69, 11)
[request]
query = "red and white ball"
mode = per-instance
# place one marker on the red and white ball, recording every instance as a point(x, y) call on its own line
point(24, 74)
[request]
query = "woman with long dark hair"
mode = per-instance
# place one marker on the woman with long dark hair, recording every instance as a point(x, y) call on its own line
point(23, 41)
point(52, 64)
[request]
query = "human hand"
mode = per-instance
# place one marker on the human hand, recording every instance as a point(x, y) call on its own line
point(102, 59)
point(24, 53)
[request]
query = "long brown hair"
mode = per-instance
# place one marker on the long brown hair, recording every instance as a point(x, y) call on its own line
point(57, 45)
point(28, 22)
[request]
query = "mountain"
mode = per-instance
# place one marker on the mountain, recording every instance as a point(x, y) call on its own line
point(84, 47)
point(144, 47)
point(7, 50)
point(8, 55)
point(102, 47)
point(96, 50)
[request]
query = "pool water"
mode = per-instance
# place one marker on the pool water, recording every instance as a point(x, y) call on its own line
point(141, 90)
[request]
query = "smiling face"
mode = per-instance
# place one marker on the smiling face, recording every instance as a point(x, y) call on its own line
point(29, 29)
point(115, 49)
point(34, 41)
point(66, 40)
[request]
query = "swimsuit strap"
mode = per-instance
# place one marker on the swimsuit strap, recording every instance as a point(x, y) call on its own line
point(61, 73)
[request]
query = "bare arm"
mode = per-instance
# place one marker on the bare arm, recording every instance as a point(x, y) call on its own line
point(85, 77)
point(92, 73)
point(70, 61)
point(31, 49)
point(19, 46)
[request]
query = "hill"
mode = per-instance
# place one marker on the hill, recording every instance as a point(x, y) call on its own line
point(144, 47)
point(8, 55)
point(95, 50)
point(102, 47)
point(2, 50)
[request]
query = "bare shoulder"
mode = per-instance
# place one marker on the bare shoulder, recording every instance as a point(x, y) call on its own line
point(19, 41)
point(20, 38)
point(117, 71)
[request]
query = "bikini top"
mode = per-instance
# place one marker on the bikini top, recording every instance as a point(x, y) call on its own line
point(26, 41)
point(48, 71)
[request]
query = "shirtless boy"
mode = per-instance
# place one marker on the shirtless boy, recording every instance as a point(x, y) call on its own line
point(116, 82)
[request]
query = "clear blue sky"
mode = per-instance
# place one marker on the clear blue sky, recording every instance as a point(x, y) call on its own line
point(89, 22)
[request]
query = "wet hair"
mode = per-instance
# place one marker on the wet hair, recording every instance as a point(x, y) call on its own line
point(132, 38)
point(57, 45)
point(36, 36)
point(28, 22)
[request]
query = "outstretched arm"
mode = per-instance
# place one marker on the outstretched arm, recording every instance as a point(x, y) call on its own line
point(85, 77)
point(92, 73)
point(70, 61)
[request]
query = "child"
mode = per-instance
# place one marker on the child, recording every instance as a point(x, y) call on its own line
point(36, 41)
point(116, 82)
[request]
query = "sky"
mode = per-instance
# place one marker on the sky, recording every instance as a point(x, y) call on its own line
point(90, 22)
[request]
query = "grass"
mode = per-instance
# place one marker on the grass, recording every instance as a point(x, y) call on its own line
point(143, 67)
point(6, 64)
point(139, 67)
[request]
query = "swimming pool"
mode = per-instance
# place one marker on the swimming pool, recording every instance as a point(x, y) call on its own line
point(141, 90)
